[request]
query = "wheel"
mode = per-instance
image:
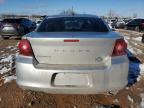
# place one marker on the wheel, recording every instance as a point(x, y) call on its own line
point(137, 29)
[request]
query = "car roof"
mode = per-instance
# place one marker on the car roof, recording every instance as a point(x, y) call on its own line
point(138, 19)
point(72, 15)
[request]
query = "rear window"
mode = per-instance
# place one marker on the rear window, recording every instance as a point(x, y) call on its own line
point(11, 20)
point(73, 24)
point(135, 21)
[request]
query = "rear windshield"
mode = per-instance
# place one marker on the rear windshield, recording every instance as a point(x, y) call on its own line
point(11, 20)
point(73, 24)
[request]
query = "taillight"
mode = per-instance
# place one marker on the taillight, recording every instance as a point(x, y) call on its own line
point(71, 40)
point(119, 48)
point(25, 48)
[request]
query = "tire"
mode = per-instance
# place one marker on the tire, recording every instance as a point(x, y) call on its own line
point(137, 29)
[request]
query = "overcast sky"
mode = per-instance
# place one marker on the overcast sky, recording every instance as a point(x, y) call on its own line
point(48, 7)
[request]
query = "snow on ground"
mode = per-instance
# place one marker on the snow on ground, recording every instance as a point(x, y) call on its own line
point(135, 50)
point(133, 40)
point(7, 64)
point(142, 68)
point(127, 38)
point(130, 99)
point(142, 103)
point(138, 39)
point(9, 78)
point(5, 70)
point(132, 49)
point(7, 61)
point(110, 26)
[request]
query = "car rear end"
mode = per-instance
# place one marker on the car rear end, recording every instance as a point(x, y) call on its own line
point(120, 24)
point(72, 55)
point(135, 24)
point(9, 28)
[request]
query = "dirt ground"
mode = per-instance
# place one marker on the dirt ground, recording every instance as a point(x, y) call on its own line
point(11, 96)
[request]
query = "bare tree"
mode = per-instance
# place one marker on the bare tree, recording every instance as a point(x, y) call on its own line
point(112, 14)
point(68, 11)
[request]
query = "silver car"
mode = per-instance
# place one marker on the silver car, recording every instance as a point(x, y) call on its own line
point(16, 27)
point(10, 28)
point(72, 54)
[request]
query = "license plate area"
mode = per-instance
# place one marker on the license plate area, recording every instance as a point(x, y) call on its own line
point(70, 80)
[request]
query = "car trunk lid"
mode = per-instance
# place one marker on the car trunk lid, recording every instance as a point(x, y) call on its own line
point(73, 48)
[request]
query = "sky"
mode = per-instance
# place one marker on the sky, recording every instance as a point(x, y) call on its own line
point(96, 7)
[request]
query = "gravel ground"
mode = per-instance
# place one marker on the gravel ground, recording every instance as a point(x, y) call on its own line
point(11, 96)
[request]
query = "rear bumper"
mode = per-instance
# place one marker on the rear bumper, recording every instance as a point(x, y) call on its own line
point(98, 79)
point(8, 33)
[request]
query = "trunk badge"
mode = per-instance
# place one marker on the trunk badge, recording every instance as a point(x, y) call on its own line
point(98, 59)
